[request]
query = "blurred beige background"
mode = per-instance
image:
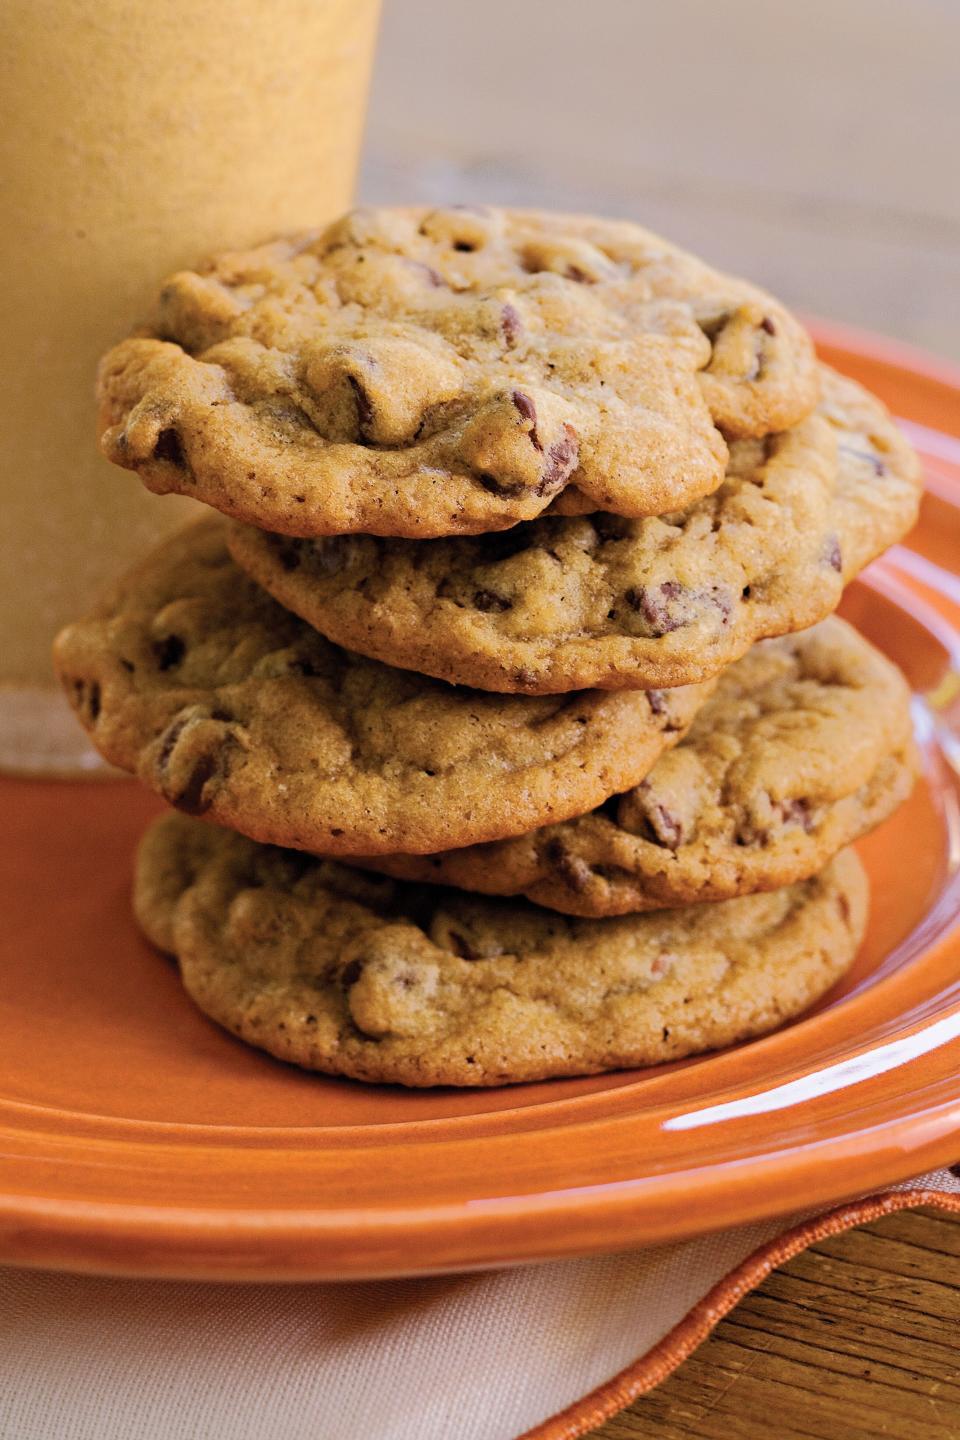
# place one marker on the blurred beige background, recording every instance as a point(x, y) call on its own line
point(813, 147)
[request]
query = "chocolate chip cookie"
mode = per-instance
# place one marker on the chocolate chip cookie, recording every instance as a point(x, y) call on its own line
point(339, 971)
point(227, 705)
point(805, 745)
point(599, 601)
point(424, 373)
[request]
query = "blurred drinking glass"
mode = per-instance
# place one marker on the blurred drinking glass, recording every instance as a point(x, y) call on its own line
point(136, 137)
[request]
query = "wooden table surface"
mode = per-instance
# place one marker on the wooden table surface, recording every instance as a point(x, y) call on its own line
point(812, 149)
point(856, 1338)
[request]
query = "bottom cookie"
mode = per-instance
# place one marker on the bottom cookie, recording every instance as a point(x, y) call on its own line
point(353, 974)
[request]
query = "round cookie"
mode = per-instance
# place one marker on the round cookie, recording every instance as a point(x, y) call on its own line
point(227, 705)
point(805, 745)
point(424, 373)
point(599, 601)
point(325, 967)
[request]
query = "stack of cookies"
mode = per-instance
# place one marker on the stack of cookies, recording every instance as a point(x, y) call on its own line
point(507, 672)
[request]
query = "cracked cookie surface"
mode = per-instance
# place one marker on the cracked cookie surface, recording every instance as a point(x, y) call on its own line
point(599, 601)
point(343, 972)
point(805, 745)
point(227, 705)
point(422, 373)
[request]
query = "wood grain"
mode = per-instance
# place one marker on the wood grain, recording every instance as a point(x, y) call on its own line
point(856, 1338)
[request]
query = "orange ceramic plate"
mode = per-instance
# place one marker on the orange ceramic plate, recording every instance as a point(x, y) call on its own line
point(136, 1137)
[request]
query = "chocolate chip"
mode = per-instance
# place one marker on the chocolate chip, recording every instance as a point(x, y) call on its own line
point(497, 487)
point(364, 409)
point(562, 460)
point(169, 651)
point(796, 812)
point(528, 410)
point(351, 973)
point(490, 602)
point(572, 869)
point(667, 829)
point(169, 447)
point(657, 702)
point(465, 246)
point(655, 604)
point(767, 324)
point(786, 813)
point(652, 602)
point(190, 798)
point(511, 325)
point(832, 554)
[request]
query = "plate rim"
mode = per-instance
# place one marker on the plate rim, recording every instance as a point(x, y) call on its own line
point(321, 1243)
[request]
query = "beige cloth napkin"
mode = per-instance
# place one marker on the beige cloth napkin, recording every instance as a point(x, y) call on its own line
point(476, 1357)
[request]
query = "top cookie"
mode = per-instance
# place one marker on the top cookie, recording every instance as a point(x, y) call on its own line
point(423, 373)
point(229, 706)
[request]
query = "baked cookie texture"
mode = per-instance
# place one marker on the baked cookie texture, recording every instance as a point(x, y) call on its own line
point(600, 601)
point(879, 479)
point(347, 973)
point(190, 676)
point(422, 373)
point(805, 745)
